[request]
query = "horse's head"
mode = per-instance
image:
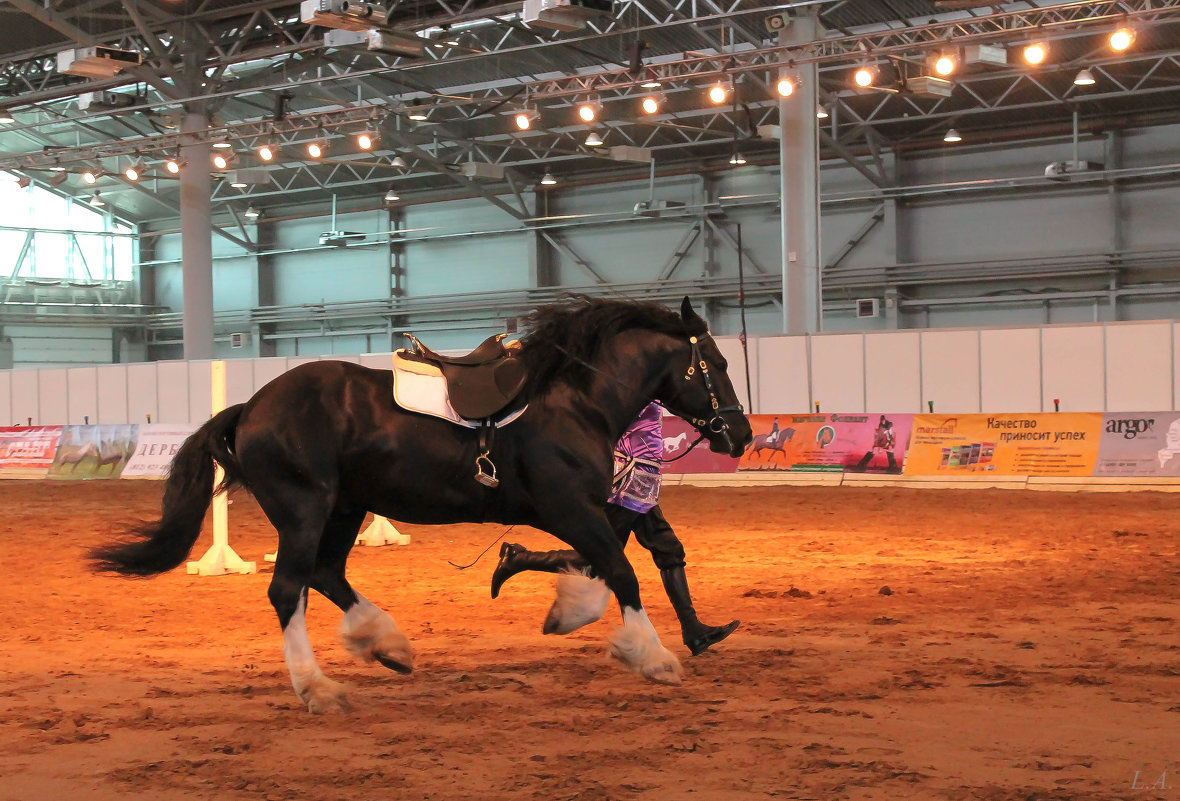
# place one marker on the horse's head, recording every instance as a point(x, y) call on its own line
point(701, 392)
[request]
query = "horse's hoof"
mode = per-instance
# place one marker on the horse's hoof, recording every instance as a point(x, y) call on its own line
point(393, 664)
point(326, 697)
point(664, 673)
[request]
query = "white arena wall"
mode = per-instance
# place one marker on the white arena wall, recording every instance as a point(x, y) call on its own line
point(1111, 367)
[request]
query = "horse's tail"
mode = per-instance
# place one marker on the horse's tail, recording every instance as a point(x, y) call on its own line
point(160, 546)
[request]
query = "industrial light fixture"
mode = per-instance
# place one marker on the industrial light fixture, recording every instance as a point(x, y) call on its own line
point(89, 176)
point(268, 152)
point(1084, 78)
point(525, 118)
point(785, 87)
point(391, 195)
point(134, 171)
point(864, 76)
point(222, 160)
point(419, 115)
point(1121, 39)
point(317, 147)
point(97, 200)
point(718, 93)
point(737, 158)
point(222, 144)
point(236, 181)
point(952, 136)
point(651, 103)
point(172, 165)
point(365, 140)
point(943, 64)
point(652, 82)
point(251, 212)
point(594, 140)
point(547, 179)
point(6, 117)
point(590, 110)
point(822, 113)
point(57, 168)
point(398, 162)
point(1035, 53)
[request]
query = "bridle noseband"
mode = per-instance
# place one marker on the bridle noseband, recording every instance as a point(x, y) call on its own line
point(715, 424)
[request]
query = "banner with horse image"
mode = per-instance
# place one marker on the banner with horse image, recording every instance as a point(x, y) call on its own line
point(1043, 444)
point(86, 452)
point(678, 437)
point(155, 446)
point(28, 452)
point(864, 443)
point(1139, 444)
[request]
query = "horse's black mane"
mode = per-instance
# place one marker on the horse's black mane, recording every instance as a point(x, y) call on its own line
point(566, 334)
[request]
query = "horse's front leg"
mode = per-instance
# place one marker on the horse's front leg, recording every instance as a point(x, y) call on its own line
point(636, 644)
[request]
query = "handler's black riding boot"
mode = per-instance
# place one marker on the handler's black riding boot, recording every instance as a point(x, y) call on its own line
point(516, 558)
point(696, 635)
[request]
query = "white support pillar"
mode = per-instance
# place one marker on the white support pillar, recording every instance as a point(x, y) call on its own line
point(220, 559)
point(196, 234)
point(799, 187)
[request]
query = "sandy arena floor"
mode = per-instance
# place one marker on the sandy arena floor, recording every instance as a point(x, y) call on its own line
point(1026, 649)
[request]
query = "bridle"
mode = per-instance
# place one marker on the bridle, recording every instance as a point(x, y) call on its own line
point(715, 424)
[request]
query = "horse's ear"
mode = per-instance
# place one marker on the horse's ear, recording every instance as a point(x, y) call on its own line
point(693, 322)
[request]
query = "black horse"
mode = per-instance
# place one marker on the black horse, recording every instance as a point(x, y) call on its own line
point(324, 443)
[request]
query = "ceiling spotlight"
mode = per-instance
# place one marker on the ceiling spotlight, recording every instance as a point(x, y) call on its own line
point(366, 139)
point(594, 140)
point(651, 103)
point(391, 195)
point(1036, 53)
point(1084, 78)
point(1121, 39)
point(251, 212)
point(547, 179)
point(419, 116)
point(268, 152)
point(6, 117)
point(222, 160)
point(718, 92)
point(943, 64)
point(89, 176)
point(398, 162)
point(952, 136)
point(524, 118)
point(785, 87)
point(133, 171)
point(57, 168)
point(172, 166)
point(822, 113)
point(737, 158)
point(651, 83)
point(590, 110)
point(864, 76)
point(97, 200)
point(317, 147)
point(222, 144)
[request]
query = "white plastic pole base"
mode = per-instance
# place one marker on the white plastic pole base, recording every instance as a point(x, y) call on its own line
point(382, 532)
point(221, 560)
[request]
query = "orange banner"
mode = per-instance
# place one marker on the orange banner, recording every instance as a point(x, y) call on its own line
point(1004, 444)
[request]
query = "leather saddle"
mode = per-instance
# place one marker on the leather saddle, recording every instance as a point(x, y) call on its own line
point(482, 383)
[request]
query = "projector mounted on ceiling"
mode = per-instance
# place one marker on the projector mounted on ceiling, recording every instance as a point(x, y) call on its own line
point(344, 14)
point(564, 15)
point(97, 61)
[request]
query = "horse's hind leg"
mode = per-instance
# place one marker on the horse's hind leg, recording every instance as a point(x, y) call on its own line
point(299, 535)
point(369, 633)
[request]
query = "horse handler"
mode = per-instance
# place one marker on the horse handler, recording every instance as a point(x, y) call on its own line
point(631, 507)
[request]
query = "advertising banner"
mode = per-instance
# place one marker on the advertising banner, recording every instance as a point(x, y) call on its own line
point(27, 452)
point(1004, 444)
point(156, 446)
point(678, 436)
point(865, 443)
point(93, 451)
point(1139, 444)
